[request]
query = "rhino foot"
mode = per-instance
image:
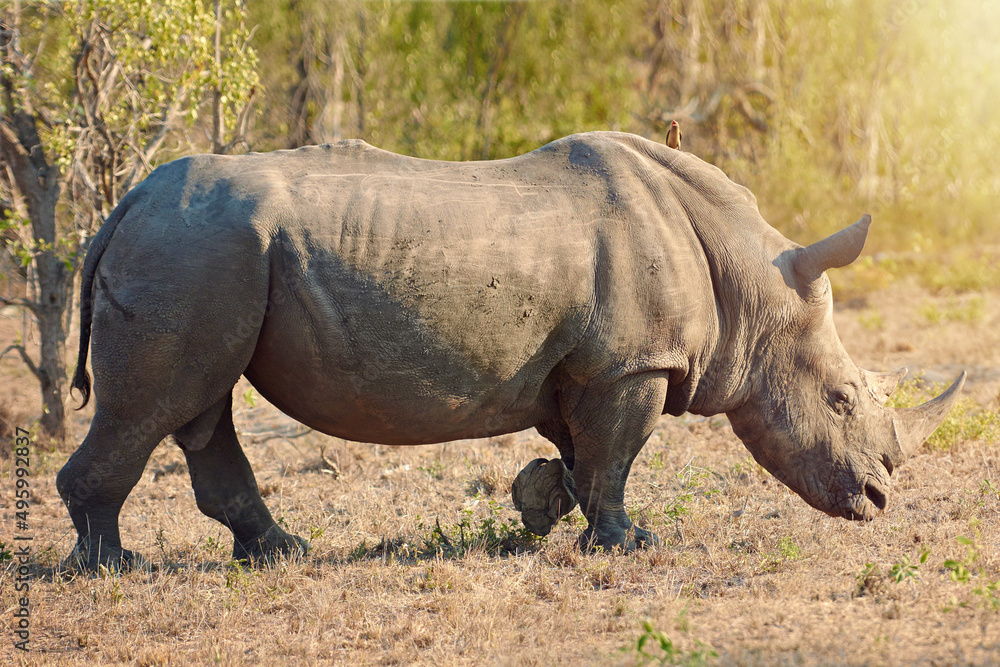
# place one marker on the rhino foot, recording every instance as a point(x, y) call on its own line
point(114, 560)
point(270, 547)
point(544, 492)
point(611, 535)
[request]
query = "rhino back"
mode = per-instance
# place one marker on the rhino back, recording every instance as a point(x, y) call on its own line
point(414, 300)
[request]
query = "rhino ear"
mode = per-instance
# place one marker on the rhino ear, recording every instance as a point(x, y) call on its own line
point(833, 252)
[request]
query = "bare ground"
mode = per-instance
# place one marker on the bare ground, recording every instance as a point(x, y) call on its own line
point(746, 571)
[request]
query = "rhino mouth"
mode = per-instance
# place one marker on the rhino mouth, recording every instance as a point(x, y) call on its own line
point(864, 498)
point(855, 491)
point(865, 504)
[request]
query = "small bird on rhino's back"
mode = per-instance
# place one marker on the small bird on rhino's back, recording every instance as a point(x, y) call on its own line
point(674, 135)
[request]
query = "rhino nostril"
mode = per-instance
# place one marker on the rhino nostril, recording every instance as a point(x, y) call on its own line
point(887, 462)
point(875, 496)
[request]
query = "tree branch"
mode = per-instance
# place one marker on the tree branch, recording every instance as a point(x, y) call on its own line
point(241, 125)
point(142, 156)
point(260, 437)
point(27, 360)
point(743, 105)
point(217, 120)
point(33, 306)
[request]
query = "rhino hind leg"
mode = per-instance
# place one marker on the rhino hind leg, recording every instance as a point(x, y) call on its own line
point(226, 490)
point(94, 484)
point(605, 449)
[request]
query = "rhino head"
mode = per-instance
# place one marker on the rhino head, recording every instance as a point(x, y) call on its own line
point(814, 419)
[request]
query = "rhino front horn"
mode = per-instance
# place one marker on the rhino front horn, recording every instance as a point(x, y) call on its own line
point(833, 252)
point(914, 425)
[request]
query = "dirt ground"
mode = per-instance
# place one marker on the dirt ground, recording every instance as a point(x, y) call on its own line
point(411, 560)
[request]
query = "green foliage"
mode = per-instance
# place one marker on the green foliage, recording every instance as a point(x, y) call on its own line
point(111, 80)
point(465, 80)
point(212, 544)
point(677, 506)
point(966, 420)
point(5, 553)
point(864, 276)
point(823, 110)
point(871, 320)
point(164, 55)
point(970, 311)
point(692, 481)
point(655, 647)
point(962, 272)
point(898, 148)
point(788, 549)
point(987, 488)
point(434, 470)
point(15, 229)
point(872, 581)
point(574, 520)
point(239, 575)
point(869, 580)
point(983, 593)
point(492, 534)
point(906, 570)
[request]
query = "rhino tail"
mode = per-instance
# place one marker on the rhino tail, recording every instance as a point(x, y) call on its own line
point(100, 242)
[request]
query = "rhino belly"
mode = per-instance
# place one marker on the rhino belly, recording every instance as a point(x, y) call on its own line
point(362, 367)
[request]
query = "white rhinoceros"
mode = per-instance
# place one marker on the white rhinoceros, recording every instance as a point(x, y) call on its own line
point(583, 289)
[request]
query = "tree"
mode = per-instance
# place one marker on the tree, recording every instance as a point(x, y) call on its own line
point(445, 80)
point(89, 93)
point(714, 66)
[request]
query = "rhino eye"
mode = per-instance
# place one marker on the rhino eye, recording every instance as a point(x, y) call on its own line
point(841, 401)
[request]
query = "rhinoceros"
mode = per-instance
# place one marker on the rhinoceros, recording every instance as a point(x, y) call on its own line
point(583, 289)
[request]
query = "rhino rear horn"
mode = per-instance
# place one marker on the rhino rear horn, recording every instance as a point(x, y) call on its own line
point(833, 252)
point(914, 425)
point(882, 385)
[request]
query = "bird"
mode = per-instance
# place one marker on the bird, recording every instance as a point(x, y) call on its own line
point(674, 135)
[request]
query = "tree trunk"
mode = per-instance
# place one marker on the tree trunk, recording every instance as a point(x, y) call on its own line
point(331, 120)
point(39, 182)
point(361, 70)
point(55, 283)
point(51, 368)
point(690, 54)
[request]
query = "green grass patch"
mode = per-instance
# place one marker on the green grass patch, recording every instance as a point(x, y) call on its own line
point(654, 647)
point(962, 272)
point(968, 311)
point(492, 534)
point(959, 272)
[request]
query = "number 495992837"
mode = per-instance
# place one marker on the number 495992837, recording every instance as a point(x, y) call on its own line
point(21, 470)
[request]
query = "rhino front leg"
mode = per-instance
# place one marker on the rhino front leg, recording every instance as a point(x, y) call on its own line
point(611, 427)
point(226, 490)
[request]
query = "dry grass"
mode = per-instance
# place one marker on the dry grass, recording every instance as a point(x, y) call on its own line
point(745, 571)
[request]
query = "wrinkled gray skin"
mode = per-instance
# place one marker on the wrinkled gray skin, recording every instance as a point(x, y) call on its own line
point(583, 289)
